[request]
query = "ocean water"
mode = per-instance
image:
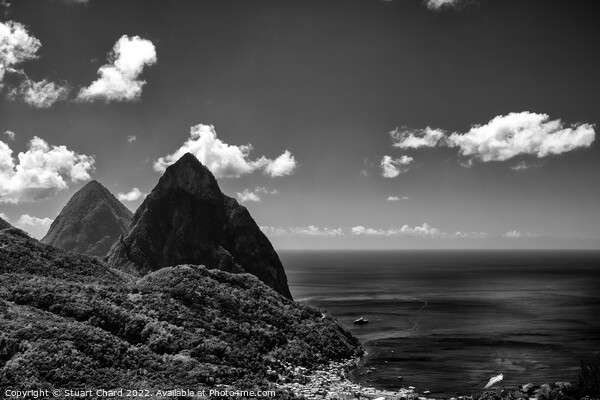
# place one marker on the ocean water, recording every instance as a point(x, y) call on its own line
point(447, 321)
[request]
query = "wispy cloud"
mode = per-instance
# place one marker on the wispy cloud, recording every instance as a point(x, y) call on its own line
point(396, 198)
point(11, 135)
point(417, 138)
point(41, 172)
point(422, 231)
point(119, 79)
point(254, 195)
point(225, 160)
point(5, 8)
point(311, 231)
point(133, 195)
point(441, 4)
point(42, 94)
point(131, 138)
point(516, 234)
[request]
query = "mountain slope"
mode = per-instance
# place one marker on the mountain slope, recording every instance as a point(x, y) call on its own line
point(70, 321)
point(186, 219)
point(90, 223)
point(4, 224)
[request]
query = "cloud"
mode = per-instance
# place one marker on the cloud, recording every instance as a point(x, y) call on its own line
point(516, 234)
point(423, 231)
point(133, 195)
point(11, 135)
point(396, 198)
point(512, 234)
point(5, 7)
point(285, 164)
point(502, 138)
point(254, 195)
point(391, 167)
point(36, 227)
point(525, 165)
point(246, 195)
point(131, 138)
point(524, 133)
point(417, 138)
point(472, 235)
point(42, 94)
point(76, 1)
point(311, 231)
point(440, 4)
point(16, 46)
point(41, 171)
point(226, 160)
point(418, 231)
point(118, 79)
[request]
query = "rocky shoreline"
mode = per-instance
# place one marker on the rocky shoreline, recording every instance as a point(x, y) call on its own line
point(331, 382)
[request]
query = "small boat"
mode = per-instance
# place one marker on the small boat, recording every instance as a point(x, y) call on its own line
point(361, 321)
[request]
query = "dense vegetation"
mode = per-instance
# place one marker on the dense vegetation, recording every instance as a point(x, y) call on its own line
point(70, 321)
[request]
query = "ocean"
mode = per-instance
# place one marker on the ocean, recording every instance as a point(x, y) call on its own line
point(447, 321)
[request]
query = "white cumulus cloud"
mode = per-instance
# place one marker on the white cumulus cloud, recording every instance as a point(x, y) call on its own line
point(11, 135)
point(417, 138)
point(310, 230)
point(133, 195)
point(225, 160)
point(131, 138)
point(36, 227)
point(285, 164)
point(16, 46)
point(40, 172)
point(392, 167)
point(523, 133)
point(119, 79)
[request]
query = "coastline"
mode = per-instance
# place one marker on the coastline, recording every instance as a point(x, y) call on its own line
point(331, 381)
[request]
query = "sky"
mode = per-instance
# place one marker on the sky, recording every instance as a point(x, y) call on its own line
point(340, 124)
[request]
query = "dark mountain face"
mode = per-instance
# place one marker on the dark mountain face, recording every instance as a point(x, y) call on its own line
point(90, 223)
point(4, 224)
point(188, 220)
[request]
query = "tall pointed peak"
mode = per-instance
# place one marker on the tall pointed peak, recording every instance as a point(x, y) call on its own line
point(190, 175)
point(186, 219)
point(90, 222)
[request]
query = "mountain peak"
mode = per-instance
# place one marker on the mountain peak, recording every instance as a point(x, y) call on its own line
point(190, 175)
point(90, 222)
point(186, 219)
